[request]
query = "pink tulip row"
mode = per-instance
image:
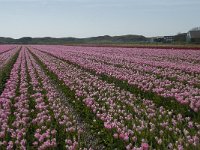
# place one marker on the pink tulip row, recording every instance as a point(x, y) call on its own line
point(136, 121)
point(4, 48)
point(22, 112)
point(45, 134)
point(20, 105)
point(155, 57)
point(135, 66)
point(135, 62)
point(5, 57)
point(186, 94)
point(6, 106)
point(61, 113)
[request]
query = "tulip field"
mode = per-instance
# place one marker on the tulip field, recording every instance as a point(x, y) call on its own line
point(99, 98)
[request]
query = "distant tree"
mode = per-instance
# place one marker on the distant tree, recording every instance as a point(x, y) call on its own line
point(24, 40)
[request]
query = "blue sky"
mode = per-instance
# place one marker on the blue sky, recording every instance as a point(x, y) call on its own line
point(86, 18)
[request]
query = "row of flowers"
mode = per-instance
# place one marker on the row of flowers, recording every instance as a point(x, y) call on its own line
point(66, 128)
point(183, 60)
point(139, 123)
point(5, 48)
point(6, 105)
point(6, 55)
point(31, 113)
point(185, 93)
point(41, 122)
point(136, 64)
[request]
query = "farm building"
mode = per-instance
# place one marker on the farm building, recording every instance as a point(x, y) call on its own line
point(193, 36)
point(168, 38)
point(163, 39)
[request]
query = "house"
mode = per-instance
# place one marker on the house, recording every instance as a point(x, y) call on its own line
point(193, 36)
point(158, 39)
point(162, 39)
point(168, 39)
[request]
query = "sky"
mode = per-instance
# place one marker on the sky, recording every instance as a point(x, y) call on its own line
point(88, 18)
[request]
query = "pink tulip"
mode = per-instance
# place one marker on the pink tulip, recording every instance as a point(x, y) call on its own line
point(145, 146)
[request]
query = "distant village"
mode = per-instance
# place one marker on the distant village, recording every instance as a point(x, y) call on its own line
point(192, 36)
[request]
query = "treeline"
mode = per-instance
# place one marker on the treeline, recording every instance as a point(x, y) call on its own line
point(106, 39)
point(70, 40)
